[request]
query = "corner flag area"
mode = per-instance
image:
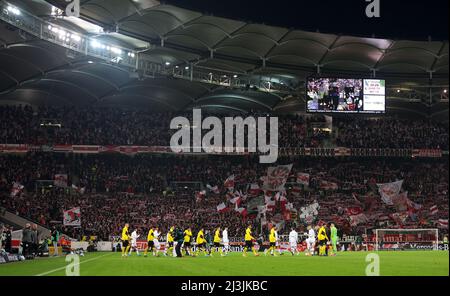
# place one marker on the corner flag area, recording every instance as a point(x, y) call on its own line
point(411, 263)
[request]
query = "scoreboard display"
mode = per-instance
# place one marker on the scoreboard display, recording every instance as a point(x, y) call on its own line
point(340, 95)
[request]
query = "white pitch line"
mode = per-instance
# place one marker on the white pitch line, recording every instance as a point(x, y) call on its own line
point(64, 267)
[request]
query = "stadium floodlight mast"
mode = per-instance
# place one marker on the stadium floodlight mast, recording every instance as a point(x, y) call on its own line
point(401, 238)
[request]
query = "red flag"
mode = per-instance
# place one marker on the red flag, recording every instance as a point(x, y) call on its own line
point(229, 182)
point(222, 208)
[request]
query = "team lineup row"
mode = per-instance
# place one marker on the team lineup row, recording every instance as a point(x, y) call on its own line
point(321, 240)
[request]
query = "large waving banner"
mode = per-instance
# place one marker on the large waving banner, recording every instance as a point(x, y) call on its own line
point(72, 217)
point(389, 191)
point(309, 213)
point(277, 177)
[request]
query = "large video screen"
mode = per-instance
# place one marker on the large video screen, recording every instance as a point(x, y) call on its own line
point(346, 95)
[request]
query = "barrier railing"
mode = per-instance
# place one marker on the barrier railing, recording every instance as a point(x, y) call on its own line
point(307, 152)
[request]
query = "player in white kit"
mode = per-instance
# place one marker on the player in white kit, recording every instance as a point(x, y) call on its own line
point(156, 242)
point(225, 241)
point(310, 241)
point(293, 240)
point(134, 237)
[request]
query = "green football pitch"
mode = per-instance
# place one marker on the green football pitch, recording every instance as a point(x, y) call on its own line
point(406, 263)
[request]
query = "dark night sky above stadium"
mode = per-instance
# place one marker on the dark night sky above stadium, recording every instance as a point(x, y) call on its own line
point(400, 19)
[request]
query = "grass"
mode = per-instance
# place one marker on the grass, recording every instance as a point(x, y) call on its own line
point(407, 263)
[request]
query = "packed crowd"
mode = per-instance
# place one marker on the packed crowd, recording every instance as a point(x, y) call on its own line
point(112, 126)
point(356, 132)
point(143, 191)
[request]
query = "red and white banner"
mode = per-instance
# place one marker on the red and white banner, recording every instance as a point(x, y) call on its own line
point(428, 153)
point(14, 148)
point(443, 223)
point(222, 208)
point(434, 210)
point(303, 179)
point(389, 191)
point(277, 177)
point(79, 190)
point(229, 182)
point(72, 217)
point(353, 211)
point(213, 189)
point(254, 189)
point(60, 180)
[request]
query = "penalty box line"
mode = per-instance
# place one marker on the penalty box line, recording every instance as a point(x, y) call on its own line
point(64, 267)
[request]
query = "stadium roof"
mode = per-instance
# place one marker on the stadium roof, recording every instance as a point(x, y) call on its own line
point(416, 71)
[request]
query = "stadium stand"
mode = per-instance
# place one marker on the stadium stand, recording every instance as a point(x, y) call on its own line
point(61, 87)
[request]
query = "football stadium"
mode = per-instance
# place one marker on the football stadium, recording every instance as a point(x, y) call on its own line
point(142, 138)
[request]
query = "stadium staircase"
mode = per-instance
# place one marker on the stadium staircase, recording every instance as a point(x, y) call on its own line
point(19, 222)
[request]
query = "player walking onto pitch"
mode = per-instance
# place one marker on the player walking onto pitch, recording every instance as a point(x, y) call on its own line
point(169, 242)
point(125, 240)
point(334, 238)
point(272, 241)
point(156, 243)
point(216, 245)
point(150, 242)
point(134, 237)
point(226, 241)
point(249, 242)
point(323, 239)
point(187, 242)
point(310, 241)
point(293, 240)
point(201, 242)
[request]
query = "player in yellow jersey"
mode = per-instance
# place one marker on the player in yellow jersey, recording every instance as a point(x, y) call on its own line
point(150, 242)
point(125, 240)
point(249, 242)
point(169, 242)
point(216, 243)
point(201, 242)
point(272, 241)
point(323, 239)
point(187, 241)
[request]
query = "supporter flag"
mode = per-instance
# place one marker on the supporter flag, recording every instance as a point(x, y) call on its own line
point(229, 182)
point(222, 208)
point(16, 189)
point(277, 177)
point(200, 195)
point(60, 180)
point(72, 217)
point(309, 213)
point(213, 189)
point(236, 200)
point(303, 179)
point(399, 218)
point(434, 210)
point(352, 211)
point(270, 205)
point(254, 189)
point(296, 190)
point(389, 191)
point(442, 223)
point(242, 211)
point(79, 190)
point(356, 220)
